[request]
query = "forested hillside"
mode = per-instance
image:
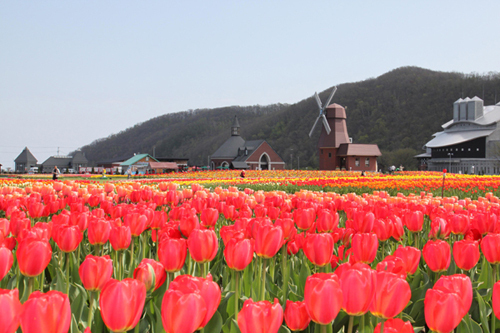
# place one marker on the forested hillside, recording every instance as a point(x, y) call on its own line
point(399, 111)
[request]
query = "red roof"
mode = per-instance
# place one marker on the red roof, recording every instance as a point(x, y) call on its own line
point(353, 149)
point(163, 165)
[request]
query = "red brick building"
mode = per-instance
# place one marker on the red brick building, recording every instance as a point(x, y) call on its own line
point(236, 153)
point(336, 150)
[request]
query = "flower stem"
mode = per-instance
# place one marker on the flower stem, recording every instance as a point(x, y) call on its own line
point(236, 294)
point(324, 328)
point(263, 285)
point(91, 309)
point(494, 273)
point(382, 326)
point(31, 281)
point(67, 273)
point(284, 273)
point(351, 322)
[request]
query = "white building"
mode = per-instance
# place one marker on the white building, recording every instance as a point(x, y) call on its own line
point(469, 143)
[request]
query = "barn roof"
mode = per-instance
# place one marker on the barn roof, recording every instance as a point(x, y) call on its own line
point(229, 149)
point(26, 157)
point(137, 158)
point(357, 149)
point(163, 165)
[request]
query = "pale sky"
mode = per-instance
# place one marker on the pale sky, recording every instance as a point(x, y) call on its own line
point(75, 71)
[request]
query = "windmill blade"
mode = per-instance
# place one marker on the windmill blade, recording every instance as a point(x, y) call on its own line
point(318, 101)
point(312, 129)
point(325, 123)
point(331, 96)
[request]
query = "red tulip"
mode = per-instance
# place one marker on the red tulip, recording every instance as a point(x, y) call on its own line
point(383, 228)
point(172, 253)
point(6, 261)
point(410, 256)
point(98, 231)
point(394, 265)
point(395, 325)
point(364, 247)
point(443, 311)
point(47, 313)
point(327, 221)
point(459, 224)
point(10, 310)
point(68, 238)
point(304, 218)
point(188, 223)
point(323, 297)
point(318, 248)
point(122, 303)
point(203, 245)
point(120, 237)
point(414, 220)
point(363, 221)
point(209, 217)
point(206, 288)
point(137, 223)
point(148, 271)
point(437, 255)
point(392, 294)
point(296, 317)
point(458, 284)
point(239, 253)
point(287, 226)
point(260, 317)
point(490, 245)
point(466, 254)
point(495, 299)
point(357, 283)
point(268, 240)
point(95, 272)
point(29, 264)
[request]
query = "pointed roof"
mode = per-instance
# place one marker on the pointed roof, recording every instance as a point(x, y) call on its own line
point(235, 122)
point(26, 157)
point(137, 158)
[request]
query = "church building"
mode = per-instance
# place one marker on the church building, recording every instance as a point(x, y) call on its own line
point(236, 153)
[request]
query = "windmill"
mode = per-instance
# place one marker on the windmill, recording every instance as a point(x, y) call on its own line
point(322, 112)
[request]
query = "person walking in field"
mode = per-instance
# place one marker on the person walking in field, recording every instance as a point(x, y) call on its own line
point(55, 172)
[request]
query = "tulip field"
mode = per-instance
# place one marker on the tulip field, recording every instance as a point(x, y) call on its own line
point(276, 251)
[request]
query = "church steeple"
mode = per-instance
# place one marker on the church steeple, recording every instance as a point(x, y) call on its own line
point(235, 128)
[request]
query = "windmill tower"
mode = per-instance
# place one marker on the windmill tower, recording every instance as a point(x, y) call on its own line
point(333, 133)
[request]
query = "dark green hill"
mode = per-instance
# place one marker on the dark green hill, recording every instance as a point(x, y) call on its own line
point(399, 111)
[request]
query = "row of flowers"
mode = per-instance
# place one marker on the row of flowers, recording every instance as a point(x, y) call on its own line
point(160, 257)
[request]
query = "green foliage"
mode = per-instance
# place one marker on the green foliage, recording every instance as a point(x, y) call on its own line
point(399, 111)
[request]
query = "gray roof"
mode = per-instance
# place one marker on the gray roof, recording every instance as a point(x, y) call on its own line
point(79, 158)
point(229, 149)
point(59, 161)
point(250, 146)
point(444, 139)
point(26, 157)
point(490, 116)
point(240, 165)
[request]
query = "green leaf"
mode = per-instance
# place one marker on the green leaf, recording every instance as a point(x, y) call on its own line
point(463, 327)
point(484, 313)
point(305, 272)
point(247, 279)
point(234, 327)
point(284, 329)
point(485, 278)
point(215, 324)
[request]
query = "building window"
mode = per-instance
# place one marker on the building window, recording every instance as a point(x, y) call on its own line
point(329, 155)
point(477, 149)
point(367, 162)
point(147, 158)
point(356, 162)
